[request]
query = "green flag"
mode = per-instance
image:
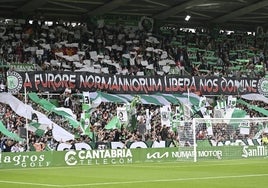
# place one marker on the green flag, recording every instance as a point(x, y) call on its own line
point(85, 124)
point(48, 106)
point(132, 114)
point(85, 116)
point(237, 113)
point(176, 118)
point(113, 124)
point(9, 134)
point(86, 105)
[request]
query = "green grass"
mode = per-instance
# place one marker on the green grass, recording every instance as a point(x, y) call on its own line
point(206, 174)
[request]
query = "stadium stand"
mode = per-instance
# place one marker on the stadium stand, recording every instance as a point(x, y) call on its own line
point(114, 50)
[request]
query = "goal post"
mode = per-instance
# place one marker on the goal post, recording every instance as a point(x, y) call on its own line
point(221, 138)
point(186, 141)
point(229, 138)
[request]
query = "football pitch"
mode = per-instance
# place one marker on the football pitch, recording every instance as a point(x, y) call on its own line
point(204, 174)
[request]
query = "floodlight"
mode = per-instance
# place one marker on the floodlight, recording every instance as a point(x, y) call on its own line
point(187, 18)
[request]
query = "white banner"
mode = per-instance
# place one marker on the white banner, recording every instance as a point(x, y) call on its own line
point(231, 101)
point(26, 111)
point(122, 114)
point(186, 111)
point(148, 119)
point(165, 112)
point(86, 98)
point(244, 127)
point(209, 125)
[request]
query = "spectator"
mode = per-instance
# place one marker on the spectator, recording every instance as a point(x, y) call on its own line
point(117, 50)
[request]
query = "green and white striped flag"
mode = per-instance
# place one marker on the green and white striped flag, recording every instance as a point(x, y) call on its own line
point(48, 106)
point(27, 111)
point(37, 128)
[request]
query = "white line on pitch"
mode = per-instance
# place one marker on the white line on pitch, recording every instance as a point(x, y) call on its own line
point(130, 182)
point(180, 165)
point(161, 165)
point(165, 180)
point(29, 183)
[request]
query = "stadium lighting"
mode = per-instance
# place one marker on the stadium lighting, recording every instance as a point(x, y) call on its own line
point(187, 18)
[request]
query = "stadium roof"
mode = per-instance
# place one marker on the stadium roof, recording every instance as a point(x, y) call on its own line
point(225, 13)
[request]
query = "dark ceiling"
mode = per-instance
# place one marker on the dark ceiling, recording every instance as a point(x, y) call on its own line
point(224, 13)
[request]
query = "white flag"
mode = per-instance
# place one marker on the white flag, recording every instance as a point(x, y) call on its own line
point(232, 101)
point(165, 115)
point(122, 114)
point(244, 127)
point(148, 119)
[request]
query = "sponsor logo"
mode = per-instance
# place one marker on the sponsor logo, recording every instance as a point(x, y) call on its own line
point(263, 86)
point(210, 153)
point(90, 157)
point(22, 160)
point(157, 155)
point(70, 158)
point(14, 82)
point(183, 154)
point(258, 151)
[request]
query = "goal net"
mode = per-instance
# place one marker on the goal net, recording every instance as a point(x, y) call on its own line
point(186, 141)
point(234, 138)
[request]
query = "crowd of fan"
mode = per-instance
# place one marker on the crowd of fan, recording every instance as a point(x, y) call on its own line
point(121, 50)
point(131, 50)
point(100, 118)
